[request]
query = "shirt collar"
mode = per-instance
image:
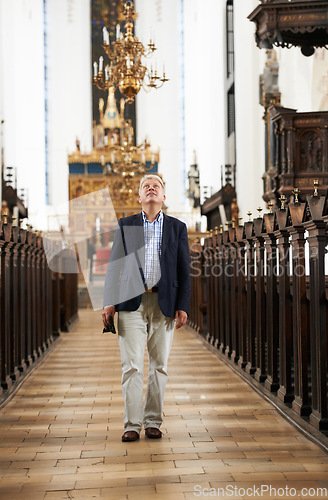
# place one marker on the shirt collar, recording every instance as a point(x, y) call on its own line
point(159, 217)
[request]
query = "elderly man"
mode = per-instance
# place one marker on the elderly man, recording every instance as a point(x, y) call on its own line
point(147, 313)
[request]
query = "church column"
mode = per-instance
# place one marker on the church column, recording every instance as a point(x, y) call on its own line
point(250, 142)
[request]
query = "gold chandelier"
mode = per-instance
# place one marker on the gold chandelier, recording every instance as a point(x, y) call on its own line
point(129, 163)
point(126, 69)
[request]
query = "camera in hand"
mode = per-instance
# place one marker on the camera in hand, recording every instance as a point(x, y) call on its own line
point(110, 328)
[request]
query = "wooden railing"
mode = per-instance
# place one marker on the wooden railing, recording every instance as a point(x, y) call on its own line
point(36, 304)
point(259, 295)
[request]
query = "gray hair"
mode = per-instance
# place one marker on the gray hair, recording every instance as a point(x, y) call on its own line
point(151, 176)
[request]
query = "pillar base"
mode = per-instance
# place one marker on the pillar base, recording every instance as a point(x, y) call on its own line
point(5, 384)
point(234, 357)
point(300, 408)
point(318, 421)
point(242, 363)
point(227, 352)
point(259, 375)
point(22, 367)
point(284, 396)
point(29, 360)
point(250, 369)
point(270, 385)
point(15, 374)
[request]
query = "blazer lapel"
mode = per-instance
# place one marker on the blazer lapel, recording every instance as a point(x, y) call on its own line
point(166, 233)
point(135, 242)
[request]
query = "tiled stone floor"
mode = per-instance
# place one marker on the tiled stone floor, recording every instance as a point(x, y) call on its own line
point(60, 436)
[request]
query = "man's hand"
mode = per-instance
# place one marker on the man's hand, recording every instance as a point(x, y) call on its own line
point(180, 318)
point(107, 312)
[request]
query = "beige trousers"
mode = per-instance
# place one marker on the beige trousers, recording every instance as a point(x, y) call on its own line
point(146, 325)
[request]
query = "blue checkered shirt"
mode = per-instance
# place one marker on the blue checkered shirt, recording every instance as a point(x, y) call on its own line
point(153, 246)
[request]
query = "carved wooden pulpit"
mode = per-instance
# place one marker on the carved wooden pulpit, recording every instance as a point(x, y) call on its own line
point(299, 153)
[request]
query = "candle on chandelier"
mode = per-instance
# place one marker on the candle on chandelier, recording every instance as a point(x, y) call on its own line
point(117, 31)
point(95, 69)
point(105, 35)
point(101, 63)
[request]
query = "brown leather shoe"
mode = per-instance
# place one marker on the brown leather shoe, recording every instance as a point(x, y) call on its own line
point(153, 433)
point(130, 436)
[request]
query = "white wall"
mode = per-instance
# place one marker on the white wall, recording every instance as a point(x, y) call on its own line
point(186, 114)
point(159, 111)
point(23, 93)
point(249, 123)
point(70, 90)
point(295, 79)
point(204, 88)
point(298, 85)
point(1, 96)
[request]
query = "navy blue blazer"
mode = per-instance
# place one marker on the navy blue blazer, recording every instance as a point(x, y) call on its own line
point(124, 278)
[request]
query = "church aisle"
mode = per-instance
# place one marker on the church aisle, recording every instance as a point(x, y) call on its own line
point(60, 436)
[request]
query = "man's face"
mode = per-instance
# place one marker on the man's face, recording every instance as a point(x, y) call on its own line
point(151, 192)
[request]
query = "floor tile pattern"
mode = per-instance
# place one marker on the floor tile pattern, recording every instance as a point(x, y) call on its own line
point(60, 436)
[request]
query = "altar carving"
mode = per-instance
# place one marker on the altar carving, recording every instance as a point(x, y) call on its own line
point(114, 163)
point(310, 146)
